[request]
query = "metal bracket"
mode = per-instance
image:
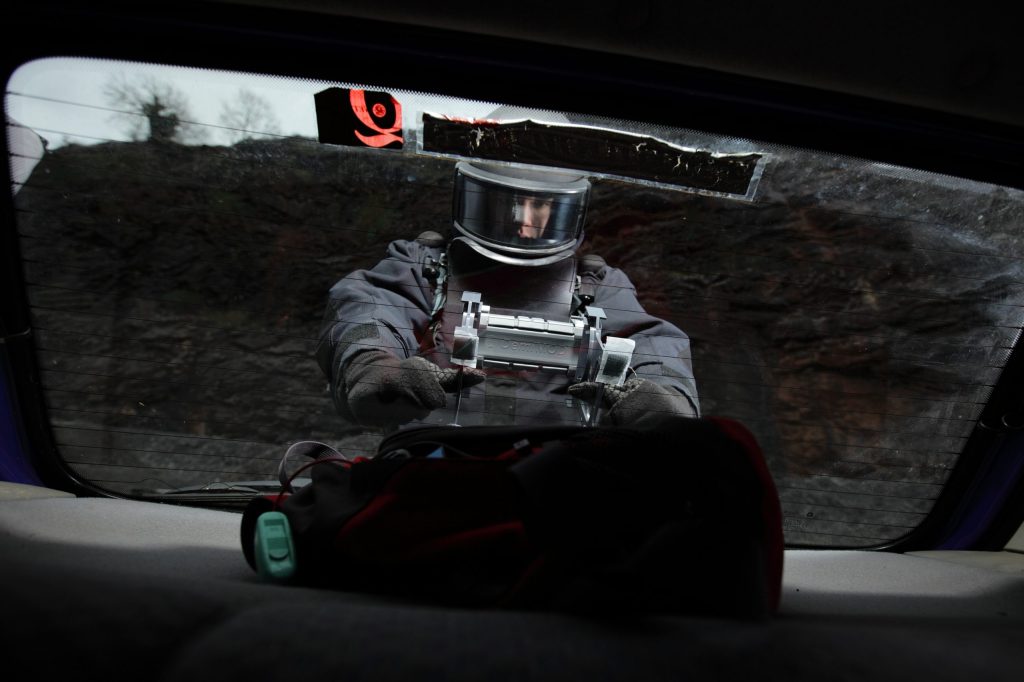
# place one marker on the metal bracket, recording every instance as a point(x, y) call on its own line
point(519, 342)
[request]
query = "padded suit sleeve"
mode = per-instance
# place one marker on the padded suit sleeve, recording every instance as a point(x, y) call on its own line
point(662, 353)
point(384, 308)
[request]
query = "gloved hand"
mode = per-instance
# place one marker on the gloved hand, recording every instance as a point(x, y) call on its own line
point(636, 403)
point(383, 390)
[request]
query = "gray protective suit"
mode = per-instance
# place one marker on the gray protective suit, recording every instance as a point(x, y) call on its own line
point(389, 308)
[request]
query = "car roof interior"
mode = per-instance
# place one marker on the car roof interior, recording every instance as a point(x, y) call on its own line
point(104, 586)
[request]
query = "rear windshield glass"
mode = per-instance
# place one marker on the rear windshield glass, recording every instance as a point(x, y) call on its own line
point(219, 265)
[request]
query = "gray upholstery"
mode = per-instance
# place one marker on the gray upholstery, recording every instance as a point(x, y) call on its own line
point(118, 589)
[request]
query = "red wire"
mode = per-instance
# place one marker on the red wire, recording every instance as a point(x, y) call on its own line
point(342, 460)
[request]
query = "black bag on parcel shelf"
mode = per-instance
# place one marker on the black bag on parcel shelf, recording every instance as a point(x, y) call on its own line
point(682, 519)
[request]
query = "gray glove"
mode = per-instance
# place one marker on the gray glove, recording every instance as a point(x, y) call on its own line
point(637, 403)
point(382, 390)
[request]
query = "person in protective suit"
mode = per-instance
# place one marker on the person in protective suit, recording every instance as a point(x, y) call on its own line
point(394, 341)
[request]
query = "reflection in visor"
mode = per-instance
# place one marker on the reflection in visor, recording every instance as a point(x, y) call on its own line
point(531, 215)
point(512, 217)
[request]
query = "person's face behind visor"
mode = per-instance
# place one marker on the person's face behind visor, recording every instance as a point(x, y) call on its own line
point(531, 215)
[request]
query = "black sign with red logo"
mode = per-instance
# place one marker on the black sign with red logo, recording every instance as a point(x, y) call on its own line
point(359, 118)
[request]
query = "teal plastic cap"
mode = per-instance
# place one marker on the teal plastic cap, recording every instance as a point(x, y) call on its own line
point(274, 549)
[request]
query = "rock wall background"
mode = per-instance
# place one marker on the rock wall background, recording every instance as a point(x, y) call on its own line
point(854, 317)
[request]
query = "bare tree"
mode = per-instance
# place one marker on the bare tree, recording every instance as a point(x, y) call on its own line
point(248, 116)
point(153, 110)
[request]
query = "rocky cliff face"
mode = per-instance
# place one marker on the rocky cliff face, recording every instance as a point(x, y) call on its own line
point(854, 317)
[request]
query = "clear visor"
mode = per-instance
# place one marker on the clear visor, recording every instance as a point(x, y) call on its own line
point(521, 218)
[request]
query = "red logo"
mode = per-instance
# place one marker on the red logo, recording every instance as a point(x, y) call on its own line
point(359, 118)
point(384, 136)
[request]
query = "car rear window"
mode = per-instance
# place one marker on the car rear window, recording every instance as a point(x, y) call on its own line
point(180, 231)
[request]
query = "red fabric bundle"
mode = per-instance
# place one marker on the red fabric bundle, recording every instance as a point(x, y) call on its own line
point(681, 519)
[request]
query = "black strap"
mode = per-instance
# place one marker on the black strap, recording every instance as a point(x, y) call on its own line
point(480, 441)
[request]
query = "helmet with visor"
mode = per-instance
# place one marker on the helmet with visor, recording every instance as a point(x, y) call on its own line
point(518, 215)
